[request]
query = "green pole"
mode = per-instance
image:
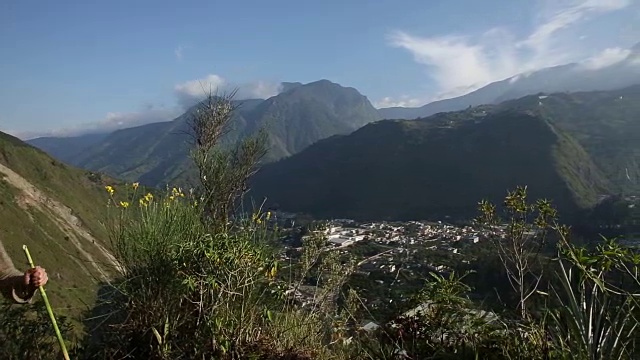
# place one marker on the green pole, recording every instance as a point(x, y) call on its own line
point(49, 309)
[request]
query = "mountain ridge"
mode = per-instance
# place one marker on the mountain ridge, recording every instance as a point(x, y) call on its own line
point(294, 119)
point(433, 168)
point(572, 77)
point(68, 149)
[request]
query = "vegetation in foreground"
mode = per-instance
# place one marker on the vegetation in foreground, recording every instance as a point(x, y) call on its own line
point(200, 278)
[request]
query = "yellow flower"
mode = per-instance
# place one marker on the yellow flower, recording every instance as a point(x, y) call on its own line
point(124, 204)
point(142, 202)
point(268, 215)
point(258, 221)
point(135, 185)
point(171, 198)
point(148, 197)
point(110, 189)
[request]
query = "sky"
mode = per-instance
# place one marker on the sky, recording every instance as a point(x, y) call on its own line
point(70, 67)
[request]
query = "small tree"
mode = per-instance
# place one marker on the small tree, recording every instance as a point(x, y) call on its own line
point(527, 227)
point(224, 168)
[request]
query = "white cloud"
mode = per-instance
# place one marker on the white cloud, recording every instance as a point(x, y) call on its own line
point(403, 101)
point(607, 57)
point(259, 90)
point(560, 15)
point(178, 51)
point(190, 92)
point(199, 87)
point(187, 94)
point(111, 122)
point(459, 64)
point(453, 61)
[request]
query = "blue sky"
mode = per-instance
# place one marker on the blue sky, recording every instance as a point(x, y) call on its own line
point(73, 66)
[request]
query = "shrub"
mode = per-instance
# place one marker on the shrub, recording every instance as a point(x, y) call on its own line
point(26, 332)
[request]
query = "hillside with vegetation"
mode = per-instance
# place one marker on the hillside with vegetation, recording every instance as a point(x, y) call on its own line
point(433, 168)
point(604, 123)
point(201, 277)
point(157, 154)
point(58, 212)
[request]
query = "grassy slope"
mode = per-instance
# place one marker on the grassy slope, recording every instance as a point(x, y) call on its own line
point(73, 279)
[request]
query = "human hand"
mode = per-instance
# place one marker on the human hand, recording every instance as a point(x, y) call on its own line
point(35, 277)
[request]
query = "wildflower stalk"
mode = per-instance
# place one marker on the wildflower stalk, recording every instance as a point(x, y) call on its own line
point(49, 309)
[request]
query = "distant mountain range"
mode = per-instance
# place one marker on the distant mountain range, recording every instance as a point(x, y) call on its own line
point(67, 148)
point(570, 148)
point(157, 154)
point(573, 77)
point(432, 168)
point(570, 132)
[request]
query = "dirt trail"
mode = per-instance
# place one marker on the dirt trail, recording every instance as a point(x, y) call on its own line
point(60, 215)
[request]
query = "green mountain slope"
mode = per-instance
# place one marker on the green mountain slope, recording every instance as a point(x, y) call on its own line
point(58, 212)
point(148, 153)
point(157, 154)
point(439, 166)
point(605, 123)
point(305, 114)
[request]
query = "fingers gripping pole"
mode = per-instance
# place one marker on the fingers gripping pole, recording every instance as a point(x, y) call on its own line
point(49, 309)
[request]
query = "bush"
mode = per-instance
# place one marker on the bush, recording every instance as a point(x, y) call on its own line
point(26, 332)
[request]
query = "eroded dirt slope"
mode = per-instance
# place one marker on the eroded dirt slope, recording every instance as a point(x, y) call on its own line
point(94, 253)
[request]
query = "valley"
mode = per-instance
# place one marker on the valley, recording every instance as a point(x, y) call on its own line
point(469, 214)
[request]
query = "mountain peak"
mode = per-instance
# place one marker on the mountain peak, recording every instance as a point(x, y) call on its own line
point(323, 83)
point(323, 89)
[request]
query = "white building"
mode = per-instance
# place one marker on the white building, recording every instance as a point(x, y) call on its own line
point(342, 241)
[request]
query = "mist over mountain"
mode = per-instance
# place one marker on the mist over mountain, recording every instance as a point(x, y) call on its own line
point(574, 77)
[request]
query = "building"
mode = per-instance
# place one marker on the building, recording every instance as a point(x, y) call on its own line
point(341, 240)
